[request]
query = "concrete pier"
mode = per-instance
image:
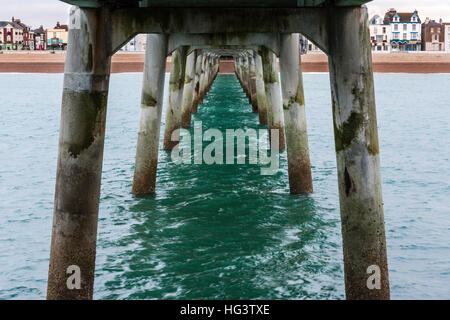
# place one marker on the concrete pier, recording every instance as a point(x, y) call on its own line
point(80, 156)
point(252, 82)
point(357, 153)
point(203, 72)
point(198, 34)
point(173, 110)
point(272, 89)
point(196, 93)
point(299, 166)
point(150, 115)
point(188, 91)
point(260, 90)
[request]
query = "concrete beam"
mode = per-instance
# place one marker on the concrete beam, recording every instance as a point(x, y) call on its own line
point(222, 40)
point(312, 22)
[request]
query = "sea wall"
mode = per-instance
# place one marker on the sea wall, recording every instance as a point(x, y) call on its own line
point(46, 62)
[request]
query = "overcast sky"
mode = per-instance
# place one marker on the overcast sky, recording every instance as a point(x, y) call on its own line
point(48, 12)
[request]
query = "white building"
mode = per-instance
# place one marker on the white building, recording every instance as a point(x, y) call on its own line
point(380, 34)
point(136, 44)
point(11, 35)
point(406, 29)
point(447, 37)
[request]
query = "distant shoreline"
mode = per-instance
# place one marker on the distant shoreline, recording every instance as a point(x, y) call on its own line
point(45, 62)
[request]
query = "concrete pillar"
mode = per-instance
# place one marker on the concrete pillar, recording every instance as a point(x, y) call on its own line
point(198, 70)
point(241, 71)
point(150, 114)
point(188, 91)
point(299, 166)
point(202, 79)
point(80, 156)
point(209, 74)
point(237, 69)
point(252, 82)
point(244, 79)
point(176, 85)
point(357, 153)
point(260, 90)
point(272, 88)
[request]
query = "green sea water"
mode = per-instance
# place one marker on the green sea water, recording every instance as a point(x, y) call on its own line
point(226, 231)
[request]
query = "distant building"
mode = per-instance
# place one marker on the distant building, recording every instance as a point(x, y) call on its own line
point(11, 35)
point(136, 44)
point(447, 37)
point(433, 35)
point(303, 44)
point(405, 30)
point(27, 34)
point(40, 42)
point(380, 34)
point(57, 37)
point(312, 48)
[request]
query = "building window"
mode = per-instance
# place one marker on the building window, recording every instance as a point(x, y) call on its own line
point(414, 27)
point(405, 36)
point(384, 29)
point(396, 27)
point(405, 27)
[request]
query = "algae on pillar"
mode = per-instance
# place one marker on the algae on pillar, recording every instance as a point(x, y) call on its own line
point(188, 91)
point(299, 166)
point(272, 88)
point(357, 153)
point(173, 109)
point(80, 155)
point(150, 114)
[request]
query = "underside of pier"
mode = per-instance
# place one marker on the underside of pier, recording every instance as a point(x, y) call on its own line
point(257, 34)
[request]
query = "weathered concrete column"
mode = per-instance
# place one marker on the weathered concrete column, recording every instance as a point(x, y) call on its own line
point(202, 79)
point(176, 85)
point(188, 91)
point(198, 71)
point(244, 79)
point(150, 115)
point(81, 140)
point(241, 72)
point(209, 74)
point(272, 88)
point(357, 153)
point(238, 69)
point(252, 83)
point(299, 166)
point(260, 90)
